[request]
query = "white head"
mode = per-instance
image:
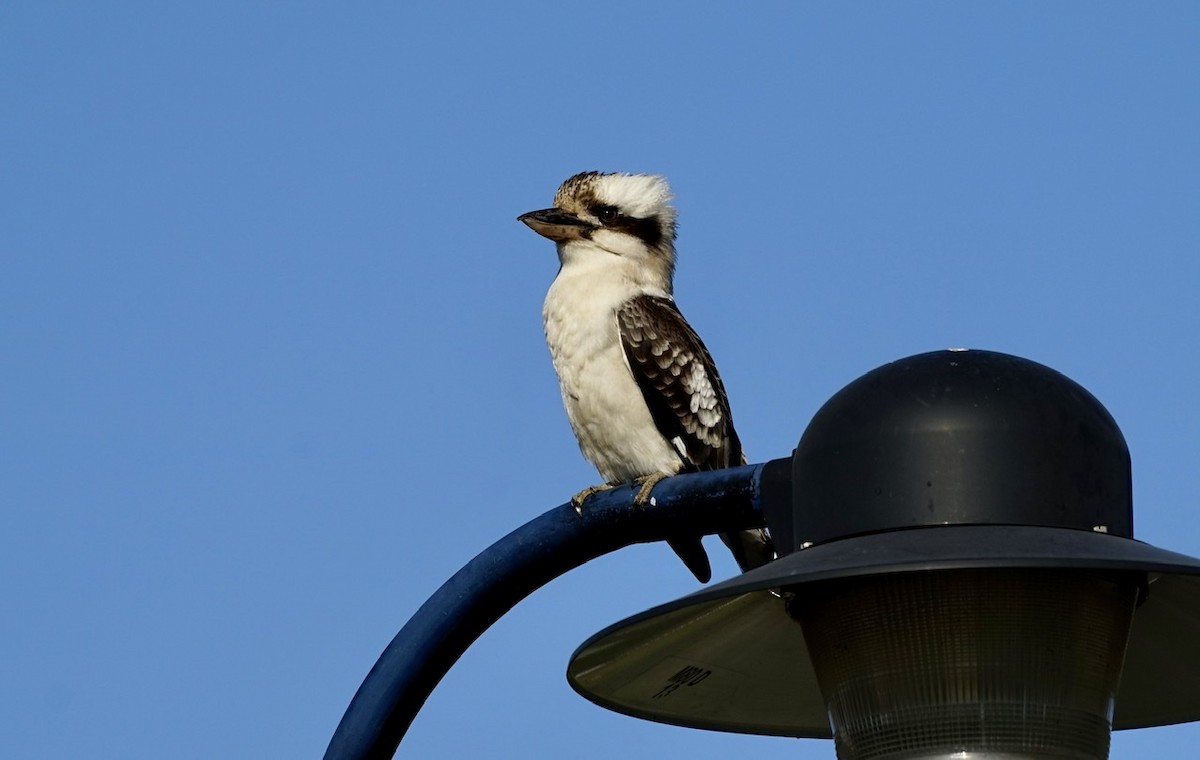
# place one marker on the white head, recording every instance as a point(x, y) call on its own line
point(598, 216)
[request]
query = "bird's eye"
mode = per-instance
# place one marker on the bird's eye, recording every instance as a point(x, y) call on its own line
point(607, 214)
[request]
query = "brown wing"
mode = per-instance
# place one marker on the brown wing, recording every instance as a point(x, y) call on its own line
point(679, 381)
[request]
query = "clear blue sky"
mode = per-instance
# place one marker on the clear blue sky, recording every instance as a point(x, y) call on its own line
point(272, 362)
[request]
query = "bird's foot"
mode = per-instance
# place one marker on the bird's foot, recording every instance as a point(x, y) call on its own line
point(578, 499)
point(647, 483)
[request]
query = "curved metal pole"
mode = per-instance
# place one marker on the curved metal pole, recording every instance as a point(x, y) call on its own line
point(512, 569)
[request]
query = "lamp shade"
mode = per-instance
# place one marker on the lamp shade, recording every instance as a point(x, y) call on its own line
point(983, 495)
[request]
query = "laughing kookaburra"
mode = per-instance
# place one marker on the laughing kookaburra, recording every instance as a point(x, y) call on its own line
point(641, 391)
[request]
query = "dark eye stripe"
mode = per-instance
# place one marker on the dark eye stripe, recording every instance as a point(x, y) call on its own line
point(646, 229)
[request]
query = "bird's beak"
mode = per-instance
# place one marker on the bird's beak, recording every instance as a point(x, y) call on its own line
point(555, 224)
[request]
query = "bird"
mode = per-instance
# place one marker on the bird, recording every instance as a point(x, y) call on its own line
point(640, 389)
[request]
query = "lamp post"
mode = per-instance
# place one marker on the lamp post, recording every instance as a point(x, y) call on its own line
point(531, 556)
point(958, 579)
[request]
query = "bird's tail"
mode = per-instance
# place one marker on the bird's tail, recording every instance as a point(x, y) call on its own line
point(691, 551)
point(750, 548)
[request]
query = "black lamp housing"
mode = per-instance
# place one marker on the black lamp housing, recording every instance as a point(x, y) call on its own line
point(958, 575)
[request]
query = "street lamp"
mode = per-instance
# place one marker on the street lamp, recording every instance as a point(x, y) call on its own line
point(958, 579)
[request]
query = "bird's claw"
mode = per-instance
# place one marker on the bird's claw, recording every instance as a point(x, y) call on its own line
point(648, 483)
point(578, 499)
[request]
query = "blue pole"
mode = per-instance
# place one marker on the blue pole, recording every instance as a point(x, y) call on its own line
point(512, 569)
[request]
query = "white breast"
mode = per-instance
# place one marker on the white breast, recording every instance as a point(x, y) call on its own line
point(603, 402)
